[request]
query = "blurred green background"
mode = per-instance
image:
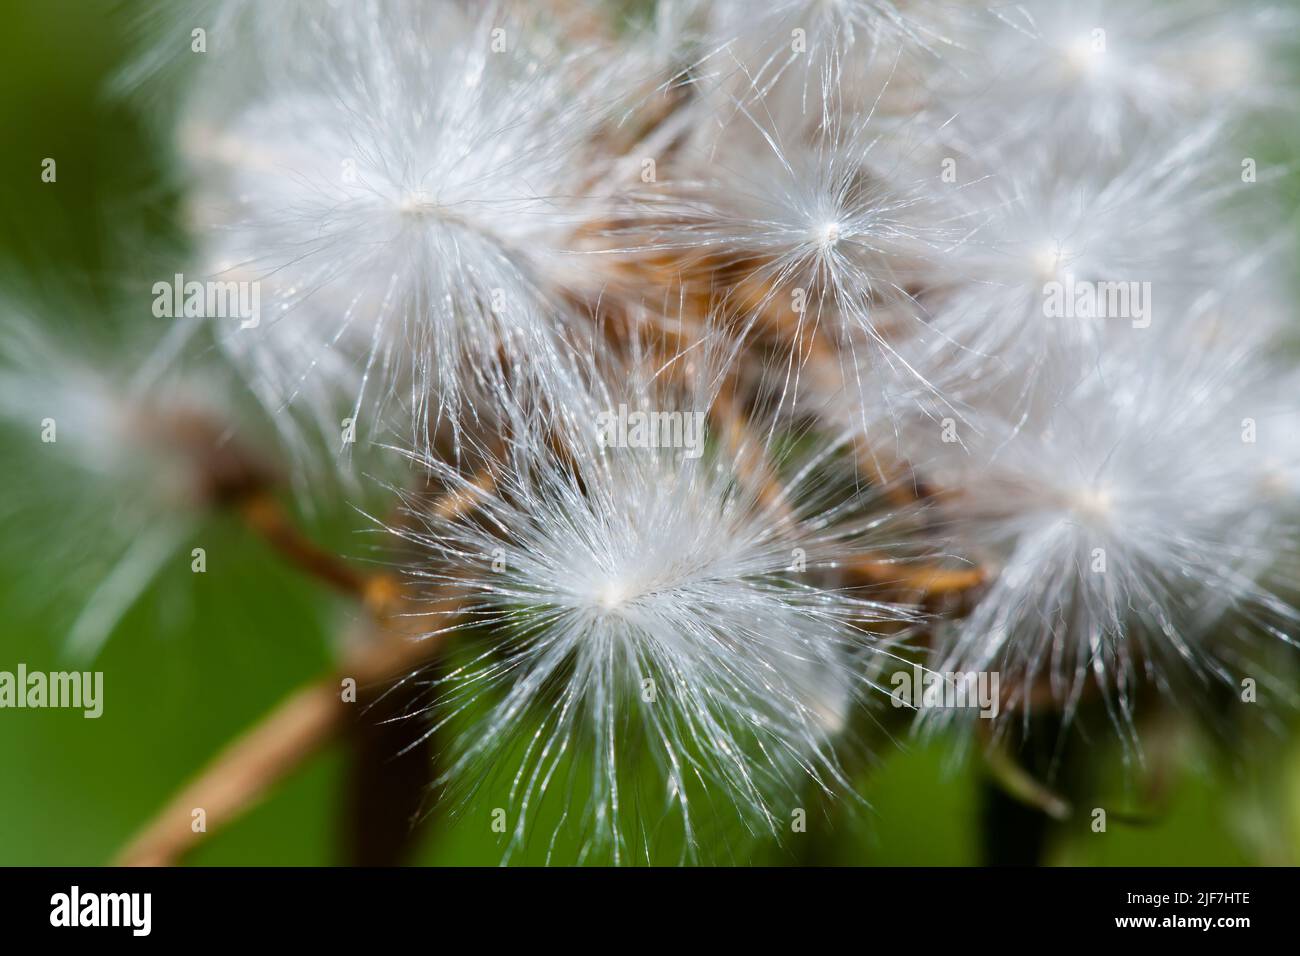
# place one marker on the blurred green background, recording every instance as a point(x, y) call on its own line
point(199, 658)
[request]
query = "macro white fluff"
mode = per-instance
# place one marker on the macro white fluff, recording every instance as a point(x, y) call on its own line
point(211, 55)
point(822, 58)
point(1123, 518)
point(1047, 220)
point(1100, 70)
point(617, 566)
point(435, 223)
point(408, 200)
point(822, 230)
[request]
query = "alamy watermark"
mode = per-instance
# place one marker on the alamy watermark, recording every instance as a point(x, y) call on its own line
point(621, 428)
point(212, 299)
point(74, 908)
point(926, 690)
point(1084, 299)
point(76, 690)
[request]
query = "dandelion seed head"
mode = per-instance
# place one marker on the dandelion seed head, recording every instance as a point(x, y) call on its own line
point(1050, 223)
point(444, 204)
point(630, 564)
point(1126, 521)
point(407, 199)
point(1105, 70)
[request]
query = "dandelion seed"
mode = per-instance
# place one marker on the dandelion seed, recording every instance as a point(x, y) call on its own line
point(408, 198)
point(631, 564)
point(1140, 464)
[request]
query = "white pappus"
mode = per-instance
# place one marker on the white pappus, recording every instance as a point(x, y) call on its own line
point(408, 197)
point(640, 603)
point(1124, 517)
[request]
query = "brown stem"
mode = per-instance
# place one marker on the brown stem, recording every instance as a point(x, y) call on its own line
point(265, 515)
point(315, 714)
point(239, 775)
point(927, 579)
point(281, 742)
